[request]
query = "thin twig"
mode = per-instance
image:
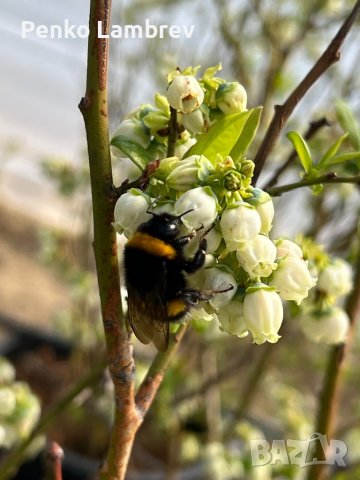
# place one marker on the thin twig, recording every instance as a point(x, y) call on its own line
point(329, 398)
point(173, 133)
point(283, 112)
point(152, 381)
point(311, 131)
point(328, 178)
point(54, 458)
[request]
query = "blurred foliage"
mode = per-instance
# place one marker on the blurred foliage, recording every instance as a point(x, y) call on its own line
point(20, 410)
point(268, 47)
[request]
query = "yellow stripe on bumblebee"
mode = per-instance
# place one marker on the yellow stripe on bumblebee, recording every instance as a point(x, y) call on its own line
point(176, 308)
point(152, 245)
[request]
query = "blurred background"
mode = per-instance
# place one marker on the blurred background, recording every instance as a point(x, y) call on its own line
point(50, 328)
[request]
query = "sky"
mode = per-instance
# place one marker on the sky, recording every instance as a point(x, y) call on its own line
point(42, 81)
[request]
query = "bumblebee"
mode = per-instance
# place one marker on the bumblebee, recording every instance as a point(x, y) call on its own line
point(155, 268)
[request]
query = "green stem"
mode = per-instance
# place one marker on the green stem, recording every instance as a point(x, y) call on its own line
point(14, 459)
point(94, 107)
point(328, 178)
point(172, 133)
point(151, 383)
point(329, 397)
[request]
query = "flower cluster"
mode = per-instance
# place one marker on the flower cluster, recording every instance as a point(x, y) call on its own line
point(20, 409)
point(322, 318)
point(211, 176)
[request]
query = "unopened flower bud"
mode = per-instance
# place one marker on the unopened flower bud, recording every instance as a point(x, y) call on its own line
point(247, 168)
point(188, 172)
point(239, 224)
point(185, 94)
point(231, 98)
point(292, 279)
point(258, 256)
point(130, 212)
point(156, 121)
point(232, 181)
point(263, 313)
point(203, 205)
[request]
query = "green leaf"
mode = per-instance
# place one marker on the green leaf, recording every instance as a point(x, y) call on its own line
point(344, 157)
point(211, 71)
point(302, 150)
point(348, 122)
point(247, 135)
point(133, 150)
point(162, 104)
point(221, 137)
point(324, 161)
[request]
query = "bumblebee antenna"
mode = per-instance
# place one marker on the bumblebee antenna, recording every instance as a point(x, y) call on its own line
point(187, 211)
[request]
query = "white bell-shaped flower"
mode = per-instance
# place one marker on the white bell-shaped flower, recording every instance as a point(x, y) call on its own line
point(336, 278)
point(203, 206)
point(231, 318)
point(258, 256)
point(239, 225)
point(130, 212)
point(292, 279)
point(329, 327)
point(287, 248)
point(263, 313)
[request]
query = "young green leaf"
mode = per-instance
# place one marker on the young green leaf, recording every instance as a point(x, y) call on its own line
point(247, 135)
point(348, 123)
point(221, 137)
point(133, 150)
point(324, 161)
point(302, 150)
point(344, 157)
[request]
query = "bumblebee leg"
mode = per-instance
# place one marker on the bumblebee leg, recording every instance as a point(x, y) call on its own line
point(198, 259)
point(193, 296)
point(183, 241)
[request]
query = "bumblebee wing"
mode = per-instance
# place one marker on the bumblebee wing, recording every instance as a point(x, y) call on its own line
point(147, 317)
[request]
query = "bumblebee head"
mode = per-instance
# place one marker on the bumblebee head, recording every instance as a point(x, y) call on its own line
point(164, 226)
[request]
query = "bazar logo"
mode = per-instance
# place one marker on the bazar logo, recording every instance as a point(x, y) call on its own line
point(298, 452)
